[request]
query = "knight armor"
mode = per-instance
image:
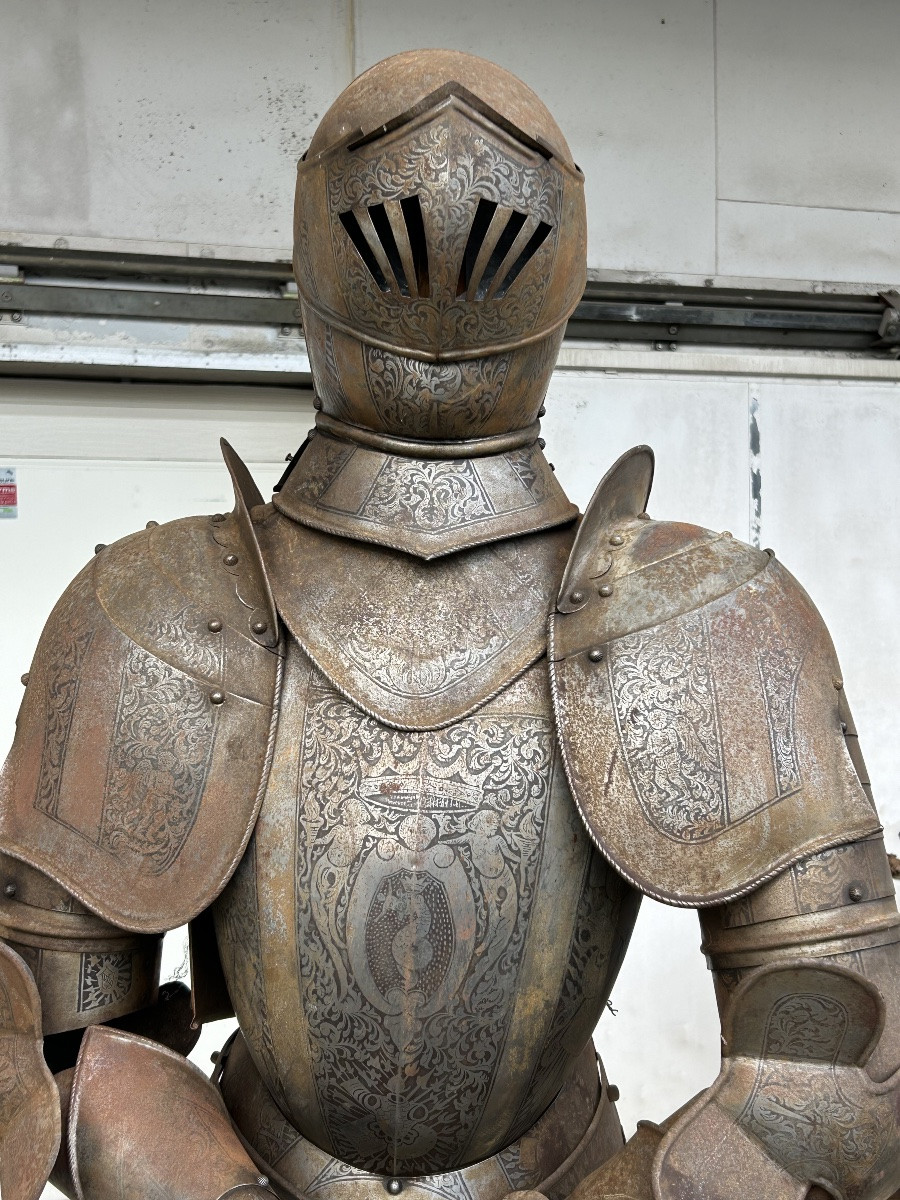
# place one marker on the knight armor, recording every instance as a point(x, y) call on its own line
point(408, 818)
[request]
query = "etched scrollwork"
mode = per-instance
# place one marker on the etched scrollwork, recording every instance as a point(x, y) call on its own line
point(779, 670)
point(450, 170)
point(104, 979)
point(669, 731)
point(162, 746)
point(415, 879)
point(427, 494)
point(420, 399)
point(822, 1131)
point(63, 676)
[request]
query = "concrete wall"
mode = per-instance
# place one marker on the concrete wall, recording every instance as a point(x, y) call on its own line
point(720, 139)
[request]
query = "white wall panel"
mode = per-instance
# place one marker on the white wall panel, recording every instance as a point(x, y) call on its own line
point(831, 511)
point(784, 241)
point(167, 122)
point(631, 86)
point(799, 87)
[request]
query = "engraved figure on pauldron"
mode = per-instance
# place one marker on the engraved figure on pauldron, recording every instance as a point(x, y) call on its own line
point(406, 745)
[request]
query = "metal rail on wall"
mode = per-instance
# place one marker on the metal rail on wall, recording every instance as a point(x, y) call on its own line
point(90, 313)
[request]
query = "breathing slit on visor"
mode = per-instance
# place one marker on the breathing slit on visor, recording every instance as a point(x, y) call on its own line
point(390, 238)
point(501, 241)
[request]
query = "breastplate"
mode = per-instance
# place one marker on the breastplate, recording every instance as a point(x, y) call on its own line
point(421, 937)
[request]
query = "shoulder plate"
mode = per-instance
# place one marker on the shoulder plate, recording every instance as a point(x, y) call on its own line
point(417, 644)
point(696, 695)
point(146, 729)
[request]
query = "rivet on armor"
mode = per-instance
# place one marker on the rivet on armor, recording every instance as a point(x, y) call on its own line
point(10, 889)
point(217, 517)
point(214, 625)
point(855, 893)
point(217, 697)
point(259, 627)
point(605, 591)
point(152, 525)
point(542, 443)
point(838, 684)
point(542, 411)
point(230, 560)
point(643, 516)
point(577, 597)
point(317, 405)
point(262, 1180)
point(595, 655)
point(100, 546)
point(617, 540)
point(214, 1057)
point(394, 1186)
point(25, 679)
point(612, 1093)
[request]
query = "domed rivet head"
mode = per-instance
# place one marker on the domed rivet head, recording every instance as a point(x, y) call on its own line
point(217, 697)
point(25, 679)
point(152, 525)
point(617, 540)
point(259, 627)
point(394, 1187)
point(262, 1180)
point(214, 625)
point(214, 1057)
point(577, 597)
point(317, 404)
point(613, 1093)
point(542, 411)
point(542, 443)
point(838, 684)
point(217, 518)
point(9, 890)
point(230, 560)
point(100, 546)
point(605, 591)
point(855, 893)
point(595, 655)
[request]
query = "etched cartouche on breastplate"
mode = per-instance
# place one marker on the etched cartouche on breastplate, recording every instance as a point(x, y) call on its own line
point(421, 938)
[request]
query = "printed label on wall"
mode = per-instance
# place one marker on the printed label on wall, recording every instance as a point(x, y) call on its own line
point(9, 495)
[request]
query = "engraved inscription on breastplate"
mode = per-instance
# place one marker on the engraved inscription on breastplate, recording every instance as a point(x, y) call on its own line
point(436, 878)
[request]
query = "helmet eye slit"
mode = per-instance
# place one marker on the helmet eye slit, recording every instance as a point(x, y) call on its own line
point(532, 246)
point(500, 251)
point(357, 237)
point(484, 214)
point(411, 208)
point(385, 234)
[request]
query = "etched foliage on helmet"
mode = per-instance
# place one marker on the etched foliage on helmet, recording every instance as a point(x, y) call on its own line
point(489, 219)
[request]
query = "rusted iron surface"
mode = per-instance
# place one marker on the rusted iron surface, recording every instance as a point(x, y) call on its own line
point(793, 1105)
point(145, 1122)
point(578, 1132)
point(417, 644)
point(434, 898)
point(29, 1103)
point(423, 506)
point(125, 783)
point(696, 693)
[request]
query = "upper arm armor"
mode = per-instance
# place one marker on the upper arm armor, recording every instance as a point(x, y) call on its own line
point(696, 693)
point(144, 736)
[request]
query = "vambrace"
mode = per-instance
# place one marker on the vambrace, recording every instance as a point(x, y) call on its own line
point(85, 969)
point(807, 983)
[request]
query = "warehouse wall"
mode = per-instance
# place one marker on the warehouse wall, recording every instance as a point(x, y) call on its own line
point(719, 139)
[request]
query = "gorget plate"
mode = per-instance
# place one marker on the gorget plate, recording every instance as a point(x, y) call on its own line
point(417, 644)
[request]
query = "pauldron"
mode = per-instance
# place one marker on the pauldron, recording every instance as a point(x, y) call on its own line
point(697, 698)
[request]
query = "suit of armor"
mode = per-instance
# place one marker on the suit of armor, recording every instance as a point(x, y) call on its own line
point(408, 817)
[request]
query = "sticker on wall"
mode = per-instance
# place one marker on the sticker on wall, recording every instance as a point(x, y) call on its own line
point(9, 494)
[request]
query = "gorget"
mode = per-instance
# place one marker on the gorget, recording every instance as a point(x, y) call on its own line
point(426, 499)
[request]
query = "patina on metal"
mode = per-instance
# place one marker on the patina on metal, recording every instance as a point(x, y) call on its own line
point(143, 1121)
point(577, 1132)
point(696, 693)
point(328, 731)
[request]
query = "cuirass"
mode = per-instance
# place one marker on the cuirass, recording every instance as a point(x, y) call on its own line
point(420, 937)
